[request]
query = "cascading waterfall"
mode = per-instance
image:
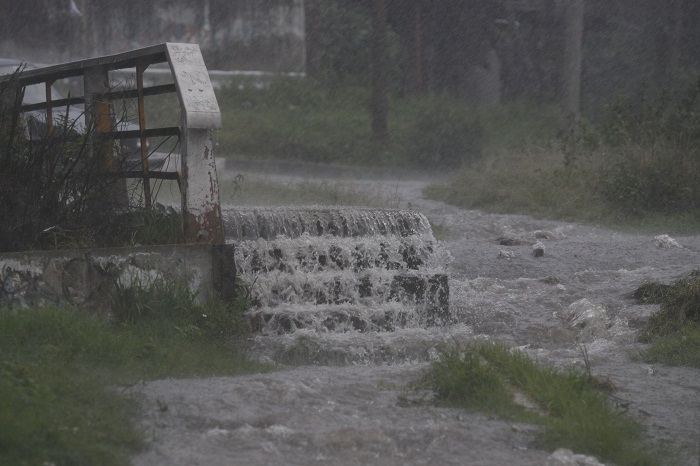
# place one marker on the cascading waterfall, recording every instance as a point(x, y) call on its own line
point(338, 270)
point(272, 222)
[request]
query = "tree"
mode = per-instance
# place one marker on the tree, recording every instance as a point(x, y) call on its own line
point(573, 50)
point(380, 100)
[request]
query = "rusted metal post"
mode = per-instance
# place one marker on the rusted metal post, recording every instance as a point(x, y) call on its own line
point(201, 208)
point(98, 118)
point(95, 83)
point(49, 109)
point(140, 68)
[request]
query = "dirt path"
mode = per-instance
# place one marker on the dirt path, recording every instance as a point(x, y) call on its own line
point(356, 415)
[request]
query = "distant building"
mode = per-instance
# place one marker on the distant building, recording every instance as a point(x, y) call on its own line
point(264, 35)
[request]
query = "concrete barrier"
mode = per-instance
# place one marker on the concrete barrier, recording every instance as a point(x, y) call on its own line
point(88, 277)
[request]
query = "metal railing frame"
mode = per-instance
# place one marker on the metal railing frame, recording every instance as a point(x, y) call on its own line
point(200, 115)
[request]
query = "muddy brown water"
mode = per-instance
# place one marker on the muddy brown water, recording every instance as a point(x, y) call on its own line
point(345, 405)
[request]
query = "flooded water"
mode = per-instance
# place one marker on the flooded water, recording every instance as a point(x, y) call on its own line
point(342, 398)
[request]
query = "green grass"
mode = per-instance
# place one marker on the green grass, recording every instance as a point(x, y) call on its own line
point(62, 370)
point(536, 182)
point(296, 120)
point(299, 119)
point(485, 377)
point(681, 348)
point(520, 157)
point(674, 330)
point(255, 191)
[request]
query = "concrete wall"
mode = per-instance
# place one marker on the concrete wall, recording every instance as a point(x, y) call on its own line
point(260, 35)
point(88, 277)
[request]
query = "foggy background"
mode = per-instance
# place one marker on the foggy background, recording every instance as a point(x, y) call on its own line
point(486, 52)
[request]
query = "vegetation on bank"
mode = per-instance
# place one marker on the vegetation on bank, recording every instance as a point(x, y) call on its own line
point(65, 372)
point(573, 412)
point(637, 168)
point(673, 332)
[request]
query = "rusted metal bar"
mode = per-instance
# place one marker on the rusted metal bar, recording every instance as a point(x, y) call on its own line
point(54, 103)
point(174, 176)
point(153, 54)
point(147, 91)
point(49, 109)
point(148, 133)
point(140, 68)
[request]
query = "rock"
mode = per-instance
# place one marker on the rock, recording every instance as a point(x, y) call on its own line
point(506, 241)
point(542, 234)
point(538, 249)
point(503, 254)
point(665, 241)
point(565, 457)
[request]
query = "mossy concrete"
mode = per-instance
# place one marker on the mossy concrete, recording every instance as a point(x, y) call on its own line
point(89, 276)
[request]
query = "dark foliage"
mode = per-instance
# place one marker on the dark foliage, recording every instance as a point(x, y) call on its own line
point(55, 192)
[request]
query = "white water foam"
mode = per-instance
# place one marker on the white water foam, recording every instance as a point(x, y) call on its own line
point(383, 271)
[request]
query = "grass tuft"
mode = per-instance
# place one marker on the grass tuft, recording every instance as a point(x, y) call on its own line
point(487, 377)
point(674, 330)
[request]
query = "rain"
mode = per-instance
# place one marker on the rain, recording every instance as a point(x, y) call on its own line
point(395, 179)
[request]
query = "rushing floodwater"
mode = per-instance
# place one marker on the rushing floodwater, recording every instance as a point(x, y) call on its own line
point(344, 404)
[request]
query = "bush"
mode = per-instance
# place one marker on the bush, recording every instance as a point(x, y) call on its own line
point(648, 153)
point(444, 135)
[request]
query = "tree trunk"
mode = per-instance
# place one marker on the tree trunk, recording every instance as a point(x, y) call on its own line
point(573, 52)
point(673, 29)
point(418, 45)
point(312, 33)
point(380, 100)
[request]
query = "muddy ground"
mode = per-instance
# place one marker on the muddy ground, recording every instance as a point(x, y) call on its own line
point(359, 414)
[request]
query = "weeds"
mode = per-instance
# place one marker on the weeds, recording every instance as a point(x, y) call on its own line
point(486, 377)
point(165, 302)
